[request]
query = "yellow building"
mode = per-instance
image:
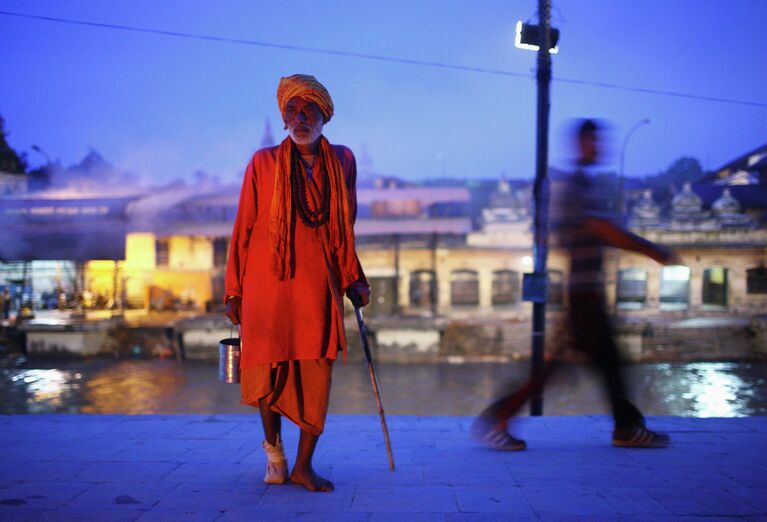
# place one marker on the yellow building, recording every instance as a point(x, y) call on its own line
point(159, 272)
point(175, 252)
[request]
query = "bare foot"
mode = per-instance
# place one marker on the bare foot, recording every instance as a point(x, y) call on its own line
point(310, 480)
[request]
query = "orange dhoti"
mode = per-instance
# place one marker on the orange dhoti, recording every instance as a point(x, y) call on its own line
point(298, 390)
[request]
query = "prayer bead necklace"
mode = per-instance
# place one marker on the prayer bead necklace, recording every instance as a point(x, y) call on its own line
point(308, 165)
point(311, 218)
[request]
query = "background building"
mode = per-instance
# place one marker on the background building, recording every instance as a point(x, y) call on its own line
point(442, 258)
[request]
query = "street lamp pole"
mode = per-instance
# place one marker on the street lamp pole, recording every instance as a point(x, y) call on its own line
point(540, 192)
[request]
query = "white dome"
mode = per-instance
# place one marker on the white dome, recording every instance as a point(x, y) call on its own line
point(647, 207)
point(686, 201)
point(726, 204)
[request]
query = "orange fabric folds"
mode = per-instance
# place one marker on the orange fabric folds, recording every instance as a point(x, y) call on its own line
point(307, 87)
point(299, 390)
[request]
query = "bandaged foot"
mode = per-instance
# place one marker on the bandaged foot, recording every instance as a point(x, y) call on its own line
point(276, 463)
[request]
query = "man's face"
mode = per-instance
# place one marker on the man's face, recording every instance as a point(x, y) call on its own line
point(588, 145)
point(304, 121)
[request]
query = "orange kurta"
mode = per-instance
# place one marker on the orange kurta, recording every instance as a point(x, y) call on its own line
point(302, 316)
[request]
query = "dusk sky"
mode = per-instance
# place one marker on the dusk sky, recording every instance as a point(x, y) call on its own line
point(166, 106)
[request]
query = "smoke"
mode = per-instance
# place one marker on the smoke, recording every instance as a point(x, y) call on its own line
point(87, 208)
point(93, 176)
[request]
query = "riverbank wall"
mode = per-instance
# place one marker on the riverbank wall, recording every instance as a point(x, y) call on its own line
point(645, 340)
point(402, 339)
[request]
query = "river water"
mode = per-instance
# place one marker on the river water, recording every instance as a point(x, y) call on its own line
point(711, 389)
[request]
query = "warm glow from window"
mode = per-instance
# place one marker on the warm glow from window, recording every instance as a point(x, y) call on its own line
point(676, 273)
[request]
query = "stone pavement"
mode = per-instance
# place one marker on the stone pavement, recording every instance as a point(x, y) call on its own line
point(197, 467)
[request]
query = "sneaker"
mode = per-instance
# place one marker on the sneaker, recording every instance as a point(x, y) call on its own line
point(639, 437)
point(498, 439)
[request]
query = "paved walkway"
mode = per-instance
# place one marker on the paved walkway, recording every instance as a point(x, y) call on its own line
point(187, 467)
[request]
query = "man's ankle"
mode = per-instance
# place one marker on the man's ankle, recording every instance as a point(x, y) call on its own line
point(273, 439)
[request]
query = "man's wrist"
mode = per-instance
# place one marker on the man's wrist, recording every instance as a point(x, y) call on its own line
point(230, 297)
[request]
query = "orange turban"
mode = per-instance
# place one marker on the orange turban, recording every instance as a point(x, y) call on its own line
point(307, 87)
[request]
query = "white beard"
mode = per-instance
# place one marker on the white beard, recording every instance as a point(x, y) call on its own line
point(307, 139)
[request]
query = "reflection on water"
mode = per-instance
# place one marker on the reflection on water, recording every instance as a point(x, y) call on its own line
point(47, 388)
point(163, 386)
point(716, 389)
point(130, 388)
point(715, 392)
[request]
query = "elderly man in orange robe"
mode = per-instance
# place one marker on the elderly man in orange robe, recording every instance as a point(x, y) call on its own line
point(291, 260)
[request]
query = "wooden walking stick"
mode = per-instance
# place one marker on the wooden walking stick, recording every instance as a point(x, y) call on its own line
point(374, 382)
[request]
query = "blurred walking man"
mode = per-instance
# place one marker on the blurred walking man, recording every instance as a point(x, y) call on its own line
point(586, 227)
point(291, 260)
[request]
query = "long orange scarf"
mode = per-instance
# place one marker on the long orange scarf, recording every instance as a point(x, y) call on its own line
point(341, 231)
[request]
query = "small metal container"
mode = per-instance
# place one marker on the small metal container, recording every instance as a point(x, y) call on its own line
point(229, 360)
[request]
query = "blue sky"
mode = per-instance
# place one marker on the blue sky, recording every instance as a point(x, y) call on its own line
point(164, 107)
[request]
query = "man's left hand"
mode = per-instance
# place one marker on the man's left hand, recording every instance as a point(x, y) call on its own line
point(667, 256)
point(358, 294)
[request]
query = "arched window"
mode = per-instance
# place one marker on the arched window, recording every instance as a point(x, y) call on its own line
point(464, 288)
point(756, 280)
point(675, 288)
point(220, 251)
point(556, 294)
point(161, 255)
point(422, 289)
point(632, 288)
point(715, 286)
point(505, 287)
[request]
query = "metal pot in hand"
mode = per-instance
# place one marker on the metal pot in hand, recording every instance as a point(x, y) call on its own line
point(229, 360)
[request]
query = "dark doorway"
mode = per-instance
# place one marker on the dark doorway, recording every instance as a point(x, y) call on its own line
point(715, 287)
point(383, 294)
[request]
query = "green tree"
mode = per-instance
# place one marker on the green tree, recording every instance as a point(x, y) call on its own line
point(685, 169)
point(10, 160)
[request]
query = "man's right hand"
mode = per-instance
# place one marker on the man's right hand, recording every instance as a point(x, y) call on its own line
point(233, 307)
